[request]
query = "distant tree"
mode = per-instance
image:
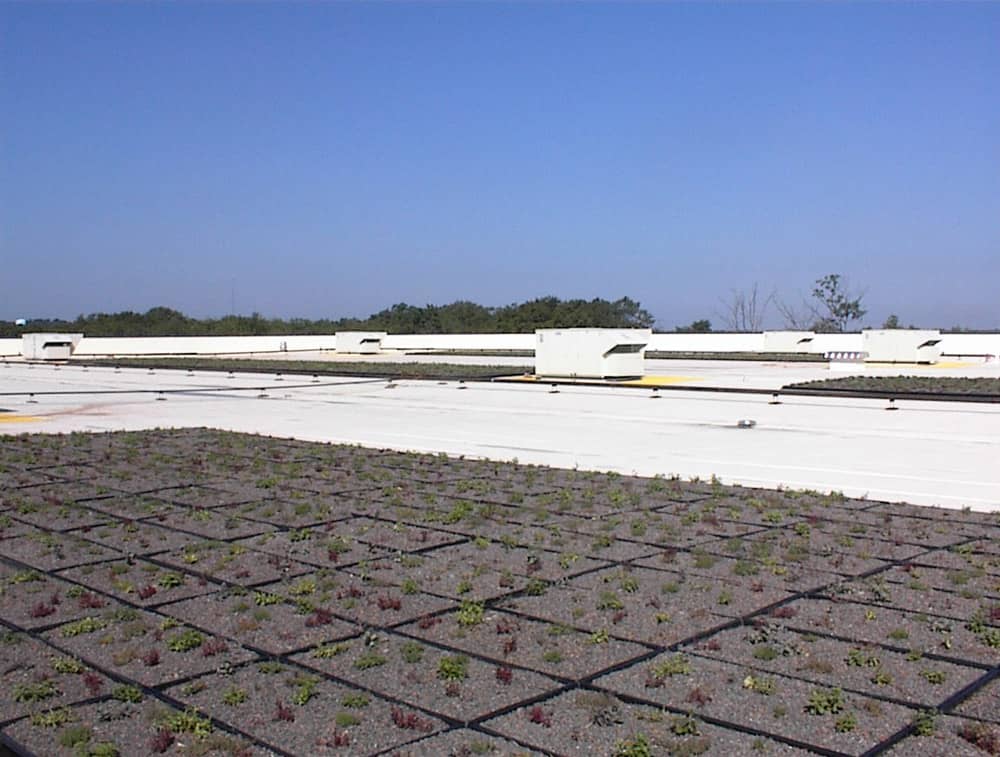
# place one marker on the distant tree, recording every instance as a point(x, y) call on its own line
point(703, 326)
point(892, 322)
point(631, 314)
point(465, 316)
point(832, 309)
point(744, 310)
point(839, 306)
point(551, 312)
point(458, 317)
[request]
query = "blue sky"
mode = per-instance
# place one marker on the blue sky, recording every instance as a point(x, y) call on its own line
point(331, 159)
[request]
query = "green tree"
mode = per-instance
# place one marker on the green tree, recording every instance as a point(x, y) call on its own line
point(837, 307)
point(703, 326)
point(402, 318)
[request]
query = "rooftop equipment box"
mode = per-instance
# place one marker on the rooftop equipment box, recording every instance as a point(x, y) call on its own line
point(49, 346)
point(360, 342)
point(902, 345)
point(591, 353)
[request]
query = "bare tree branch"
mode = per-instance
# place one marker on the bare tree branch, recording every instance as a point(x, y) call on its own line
point(744, 310)
point(834, 307)
point(798, 317)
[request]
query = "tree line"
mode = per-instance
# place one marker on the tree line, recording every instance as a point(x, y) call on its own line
point(458, 317)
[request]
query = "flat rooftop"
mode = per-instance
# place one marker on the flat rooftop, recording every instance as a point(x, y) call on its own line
point(927, 453)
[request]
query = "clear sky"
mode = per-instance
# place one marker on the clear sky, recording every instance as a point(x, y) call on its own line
point(331, 159)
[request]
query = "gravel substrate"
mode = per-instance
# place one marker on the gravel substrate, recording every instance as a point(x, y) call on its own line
point(202, 592)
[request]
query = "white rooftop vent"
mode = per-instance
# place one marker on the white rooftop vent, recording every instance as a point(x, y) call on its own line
point(591, 353)
point(49, 346)
point(902, 345)
point(360, 342)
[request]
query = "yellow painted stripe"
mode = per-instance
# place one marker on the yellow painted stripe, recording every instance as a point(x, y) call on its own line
point(923, 366)
point(644, 381)
point(4, 418)
point(662, 380)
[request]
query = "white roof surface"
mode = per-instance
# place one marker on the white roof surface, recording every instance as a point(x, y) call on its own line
point(930, 453)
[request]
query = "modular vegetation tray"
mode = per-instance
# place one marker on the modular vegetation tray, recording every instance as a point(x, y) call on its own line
point(360, 368)
point(915, 386)
point(209, 593)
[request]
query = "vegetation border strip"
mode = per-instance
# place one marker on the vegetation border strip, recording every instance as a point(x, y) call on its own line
point(548, 383)
point(748, 356)
point(370, 369)
point(889, 395)
point(196, 390)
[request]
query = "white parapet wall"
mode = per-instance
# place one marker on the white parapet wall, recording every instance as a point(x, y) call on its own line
point(901, 345)
point(360, 342)
point(688, 342)
point(788, 341)
point(200, 345)
point(805, 342)
point(49, 346)
point(460, 342)
point(591, 353)
point(978, 347)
